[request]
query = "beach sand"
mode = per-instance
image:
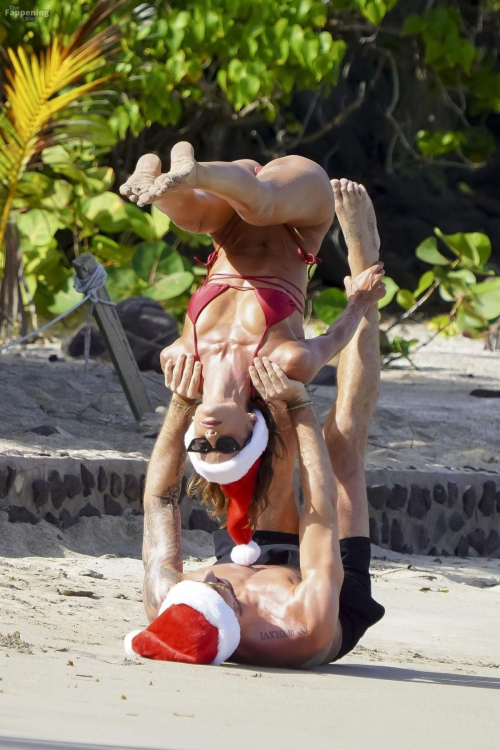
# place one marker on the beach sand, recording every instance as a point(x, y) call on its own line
point(424, 677)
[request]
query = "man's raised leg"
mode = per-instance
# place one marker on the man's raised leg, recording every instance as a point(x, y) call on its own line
point(358, 375)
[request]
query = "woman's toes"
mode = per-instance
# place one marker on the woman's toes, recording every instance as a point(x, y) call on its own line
point(133, 198)
point(350, 188)
point(336, 189)
point(343, 184)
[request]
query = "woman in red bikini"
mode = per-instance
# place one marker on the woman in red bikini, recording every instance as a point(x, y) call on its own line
point(267, 224)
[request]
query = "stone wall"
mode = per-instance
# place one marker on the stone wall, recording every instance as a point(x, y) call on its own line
point(432, 513)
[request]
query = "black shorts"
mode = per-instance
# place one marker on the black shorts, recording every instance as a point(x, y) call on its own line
point(358, 611)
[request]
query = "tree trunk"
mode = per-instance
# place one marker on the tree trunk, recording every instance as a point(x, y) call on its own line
point(13, 319)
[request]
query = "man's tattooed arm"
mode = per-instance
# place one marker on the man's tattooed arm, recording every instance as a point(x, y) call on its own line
point(161, 550)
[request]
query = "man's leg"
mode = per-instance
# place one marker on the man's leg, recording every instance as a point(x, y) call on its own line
point(358, 375)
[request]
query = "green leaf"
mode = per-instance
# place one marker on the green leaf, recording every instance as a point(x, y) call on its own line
point(161, 222)
point(412, 25)
point(425, 281)
point(390, 290)
point(107, 249)
point(463, 274)
point(405, 299)
point(140, 222)
point(330, 304)
point(146, 258)
point(38, 225)
point(428, 252)
point(65, 298)
point(168, 287)
point(463, 246)
point(488, 298)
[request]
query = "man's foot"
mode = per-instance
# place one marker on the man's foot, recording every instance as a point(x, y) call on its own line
point(356, 215)
point(181, 176)
point(147, 170)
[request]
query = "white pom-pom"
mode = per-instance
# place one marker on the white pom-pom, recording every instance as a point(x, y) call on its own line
point(127, 643)
point(245, 554)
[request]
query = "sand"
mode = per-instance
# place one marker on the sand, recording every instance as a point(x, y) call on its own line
point(425, 418)
point(425, 677)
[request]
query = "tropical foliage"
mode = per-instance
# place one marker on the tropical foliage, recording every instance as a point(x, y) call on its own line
point(228, 74)
point(460, 276)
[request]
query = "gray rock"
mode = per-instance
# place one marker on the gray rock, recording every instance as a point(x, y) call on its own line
point(417, 505)
point(41, 492)
point(102, 479)
point(434, 552)
point(398, 498)
point(492, 542)
point(18, 514)
point(439, 494)
point(89, 510)
point(132, 489)
point(486, 504)
point(469, 501)
point(88, 480)
point(142, 486)
point(452, 494)
point(385, 530)
point(73, 485)
point(420, 538)
point(116, 484)
point(199, 519)
point(52, 519)
point(477, 539)
point(397, 537)
point(7, 477)
point(66, 519)
point(440, 528)
point(111, 506)
point(497, 506)
point(462, 548)
point(378, 495)
point(57, 489)
point(326, 376)
point(45, 430)
point(456, 521)
point(374, 532)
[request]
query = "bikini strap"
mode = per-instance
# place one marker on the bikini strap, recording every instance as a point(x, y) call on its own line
point(210, 260)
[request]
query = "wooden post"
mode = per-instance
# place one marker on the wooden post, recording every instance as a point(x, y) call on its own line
point(117, 343)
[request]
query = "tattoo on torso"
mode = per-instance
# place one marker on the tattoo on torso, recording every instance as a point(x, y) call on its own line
point(273, 635)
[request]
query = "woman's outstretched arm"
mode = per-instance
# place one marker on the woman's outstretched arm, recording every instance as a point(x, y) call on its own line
point(363, 292)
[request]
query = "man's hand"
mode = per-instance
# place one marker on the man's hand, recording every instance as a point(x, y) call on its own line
point(368, 287)
point(183, 377)
point(273, 385)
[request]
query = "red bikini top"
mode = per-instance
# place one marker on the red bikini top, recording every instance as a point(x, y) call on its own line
point(278, 301)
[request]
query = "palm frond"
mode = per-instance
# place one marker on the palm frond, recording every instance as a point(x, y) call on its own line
point(38, 89)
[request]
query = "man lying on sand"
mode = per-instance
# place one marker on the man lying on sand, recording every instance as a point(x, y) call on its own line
point(307, 600)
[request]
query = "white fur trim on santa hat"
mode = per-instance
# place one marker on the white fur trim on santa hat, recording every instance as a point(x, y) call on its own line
point(245, 554)
point(127, 643)
point(211, 605)
point(239, 464)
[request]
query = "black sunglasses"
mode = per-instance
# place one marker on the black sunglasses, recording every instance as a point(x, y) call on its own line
point(223, 445)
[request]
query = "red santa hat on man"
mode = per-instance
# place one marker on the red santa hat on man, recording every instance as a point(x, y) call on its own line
point(237, 477)
point(194, 626)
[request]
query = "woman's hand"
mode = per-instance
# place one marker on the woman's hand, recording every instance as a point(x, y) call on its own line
point(367, 287)
point(183, 377)
point(273, 385)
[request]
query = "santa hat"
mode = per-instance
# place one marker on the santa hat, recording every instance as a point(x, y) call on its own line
point(237, 477)
point(194, 626)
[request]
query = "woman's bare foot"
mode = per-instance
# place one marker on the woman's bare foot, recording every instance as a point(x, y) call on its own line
point(147, 170)
point(181, 176)
point(356, 215)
